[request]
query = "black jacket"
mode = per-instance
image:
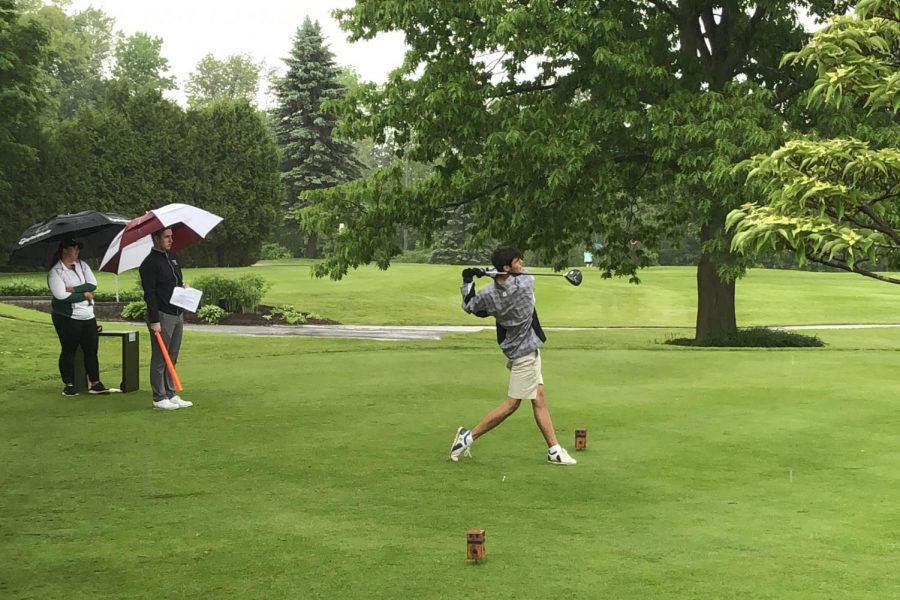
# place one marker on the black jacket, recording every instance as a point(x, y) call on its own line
point(160, 273)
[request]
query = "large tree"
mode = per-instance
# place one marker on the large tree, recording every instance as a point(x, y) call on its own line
point(140, 63)
point(560, 123)
point(138, 150)
point(22, 50)
point(836, 201)
point(312, 158)
point(234, 78)
point(231, 169)
point(78, 52)
point(126, 155)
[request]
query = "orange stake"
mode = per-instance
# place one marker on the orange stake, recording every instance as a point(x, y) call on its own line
point(169, 365)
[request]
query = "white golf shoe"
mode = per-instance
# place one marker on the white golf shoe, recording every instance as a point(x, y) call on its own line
point(182, 403)
point(560, 457)
point(165, 404)
point(461, 444)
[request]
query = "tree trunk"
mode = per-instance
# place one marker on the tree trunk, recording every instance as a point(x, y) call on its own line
point(715, 298)
point(312, 245)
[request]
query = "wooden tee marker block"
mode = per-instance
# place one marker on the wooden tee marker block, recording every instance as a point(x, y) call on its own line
point(475, 544)
point(580, 439)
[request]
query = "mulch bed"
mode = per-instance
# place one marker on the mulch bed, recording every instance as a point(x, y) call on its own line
point(112, 311)
point(257, 318)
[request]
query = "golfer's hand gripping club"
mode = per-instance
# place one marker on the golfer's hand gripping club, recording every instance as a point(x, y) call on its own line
point(469, 273)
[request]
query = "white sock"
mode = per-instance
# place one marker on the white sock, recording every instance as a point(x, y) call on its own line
point(554, 449)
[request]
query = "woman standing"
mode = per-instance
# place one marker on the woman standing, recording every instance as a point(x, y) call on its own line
point(72, 284)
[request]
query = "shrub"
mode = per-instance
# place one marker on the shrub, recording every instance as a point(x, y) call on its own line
point(242, 295)
point(274, 251)
point(218, 290)
point(754, 337)
point(289, 314)
point(419, 255)
point(131, 295)
point(211, 314)
point(135, 311)
point(251, 289)
point(23, 287)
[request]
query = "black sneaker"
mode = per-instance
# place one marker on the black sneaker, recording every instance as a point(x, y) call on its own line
point(98, 388)
point(70, 390)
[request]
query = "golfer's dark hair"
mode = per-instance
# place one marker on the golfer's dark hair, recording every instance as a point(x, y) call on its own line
point(158, 233)
point(503, 257)
point(57, 256)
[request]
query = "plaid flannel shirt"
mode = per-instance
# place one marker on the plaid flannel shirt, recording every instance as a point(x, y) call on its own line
point(511, 303)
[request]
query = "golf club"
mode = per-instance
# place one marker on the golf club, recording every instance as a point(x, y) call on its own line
point(573, 276)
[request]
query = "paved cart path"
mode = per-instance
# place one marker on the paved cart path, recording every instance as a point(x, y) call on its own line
point(436, 332)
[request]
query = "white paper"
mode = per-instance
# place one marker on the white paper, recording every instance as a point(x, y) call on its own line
point(186, 298)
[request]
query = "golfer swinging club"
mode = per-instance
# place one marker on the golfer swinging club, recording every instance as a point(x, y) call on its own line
point(510, 300)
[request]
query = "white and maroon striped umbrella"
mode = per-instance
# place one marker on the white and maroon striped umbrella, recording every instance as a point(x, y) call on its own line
point(128, 250)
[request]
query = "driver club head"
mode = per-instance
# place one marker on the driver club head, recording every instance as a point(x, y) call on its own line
point(573, 277)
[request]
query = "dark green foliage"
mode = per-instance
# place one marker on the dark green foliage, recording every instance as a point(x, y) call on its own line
point(289, 314)
point(834, 202)
point(79, 46)
point(754, 337)
point(273, 251)
point(418, 255)
point(560, 123)
point(312, 157)
point(22, 51)
point(241, 295)
point(23, 287)
point(140, 64)
point(211, 314)
point(230, 167)
point(450, 244)
point(107, 295)
point(139, 151)
point(125, 156)
point(135, 311)
point(304, 124)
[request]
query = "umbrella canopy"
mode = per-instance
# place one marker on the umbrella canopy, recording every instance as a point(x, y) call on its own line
point(37, 246)
point(128, 250)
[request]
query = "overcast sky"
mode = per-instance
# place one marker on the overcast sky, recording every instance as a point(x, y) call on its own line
point(190, 29)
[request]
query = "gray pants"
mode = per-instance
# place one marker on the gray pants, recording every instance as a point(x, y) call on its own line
point(160, 380)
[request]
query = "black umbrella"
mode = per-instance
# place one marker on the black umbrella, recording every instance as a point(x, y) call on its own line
point(37, 246)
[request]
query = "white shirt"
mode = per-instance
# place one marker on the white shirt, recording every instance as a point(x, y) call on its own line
point(61, 277)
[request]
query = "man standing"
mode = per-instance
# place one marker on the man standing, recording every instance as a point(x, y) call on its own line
point(510, 300)
point(160, 274)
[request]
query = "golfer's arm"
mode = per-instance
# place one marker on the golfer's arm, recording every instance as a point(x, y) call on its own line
point(471, 301)
point(148, 282)
point(58, 289)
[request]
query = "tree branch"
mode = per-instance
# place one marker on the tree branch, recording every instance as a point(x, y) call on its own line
point(710, 29)
point(635, 157)
point(664, 6)
point(880, 223)
point(743, 42)
point(854, 269)
point(523, 89)
point(477, 196)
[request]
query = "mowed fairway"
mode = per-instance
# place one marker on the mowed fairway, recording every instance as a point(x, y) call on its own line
point(318, 469)
point(412, 294)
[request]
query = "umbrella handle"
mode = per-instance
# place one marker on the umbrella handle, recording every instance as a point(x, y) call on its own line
point(169, 365)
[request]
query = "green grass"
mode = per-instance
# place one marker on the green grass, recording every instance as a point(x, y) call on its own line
point(411, 294)
point(317, 469)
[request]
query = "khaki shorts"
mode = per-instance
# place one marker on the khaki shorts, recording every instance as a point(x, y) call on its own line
point(525, 376)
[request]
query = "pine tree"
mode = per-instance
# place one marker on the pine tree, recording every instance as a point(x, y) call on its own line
point(311, 157)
